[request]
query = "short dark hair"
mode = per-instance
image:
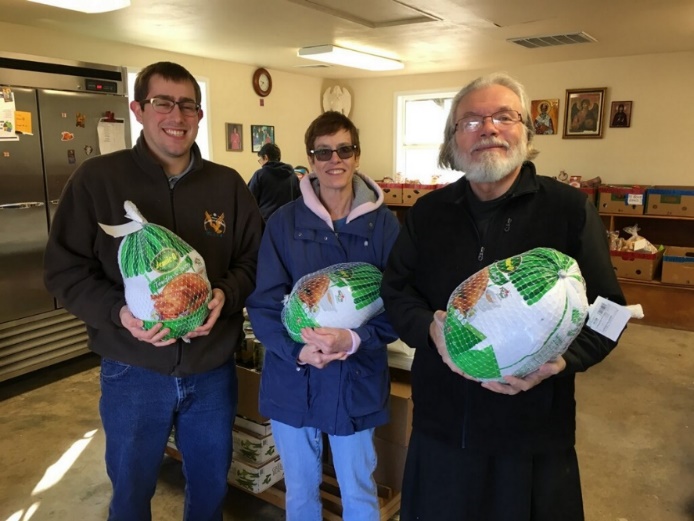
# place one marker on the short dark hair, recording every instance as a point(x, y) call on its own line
point(167, 70)
point(270, 150)
point(327, 124)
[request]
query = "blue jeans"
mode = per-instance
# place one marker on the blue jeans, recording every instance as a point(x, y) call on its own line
point(138, 408)
point(354, 457)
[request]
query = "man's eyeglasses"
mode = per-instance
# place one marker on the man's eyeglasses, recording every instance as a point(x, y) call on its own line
point(502, 118)
point(326, 154)
point(166, 106)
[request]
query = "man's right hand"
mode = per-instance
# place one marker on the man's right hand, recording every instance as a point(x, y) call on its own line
point(134, 325)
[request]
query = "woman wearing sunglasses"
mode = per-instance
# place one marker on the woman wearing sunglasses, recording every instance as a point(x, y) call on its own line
point(336, 381)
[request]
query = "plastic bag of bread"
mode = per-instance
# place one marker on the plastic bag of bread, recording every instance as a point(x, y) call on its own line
point(164, 277)
point(516, 314)
point(342, 295)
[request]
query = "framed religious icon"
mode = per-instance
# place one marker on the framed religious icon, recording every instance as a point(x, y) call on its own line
point(261, 134)
point(545, 116)
point(234, 133)
point(620, 114)
point(583, 113)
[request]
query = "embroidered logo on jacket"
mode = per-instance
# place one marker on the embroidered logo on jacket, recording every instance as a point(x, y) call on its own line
point(214, 224)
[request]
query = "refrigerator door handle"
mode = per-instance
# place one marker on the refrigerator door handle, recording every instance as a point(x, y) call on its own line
point(21, 206)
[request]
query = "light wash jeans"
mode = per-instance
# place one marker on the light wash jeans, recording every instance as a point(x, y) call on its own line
point(354, 457)
point(138, 408)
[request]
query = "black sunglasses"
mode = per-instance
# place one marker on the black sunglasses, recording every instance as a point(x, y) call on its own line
point(326, 154)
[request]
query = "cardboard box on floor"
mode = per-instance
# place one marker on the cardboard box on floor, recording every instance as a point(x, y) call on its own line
point(255, 478)
point(399, 428)
point(391, 463)
point(261, 429)
point(252, 448)
point(249, 387)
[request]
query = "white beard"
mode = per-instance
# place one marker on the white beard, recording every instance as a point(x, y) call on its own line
point(491, 168)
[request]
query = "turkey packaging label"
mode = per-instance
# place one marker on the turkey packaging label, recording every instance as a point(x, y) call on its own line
point(164, 277)
point(342, 296)
point(516, 314)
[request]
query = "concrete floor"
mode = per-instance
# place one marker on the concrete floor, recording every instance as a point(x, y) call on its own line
point(635, 441)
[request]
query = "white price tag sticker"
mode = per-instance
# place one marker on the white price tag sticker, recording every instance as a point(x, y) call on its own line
point(607, 318)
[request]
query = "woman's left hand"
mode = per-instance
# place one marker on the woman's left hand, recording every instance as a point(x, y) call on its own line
point(328, 340)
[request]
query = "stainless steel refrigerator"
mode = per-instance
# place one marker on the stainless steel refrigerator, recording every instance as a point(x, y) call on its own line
point(50, 112)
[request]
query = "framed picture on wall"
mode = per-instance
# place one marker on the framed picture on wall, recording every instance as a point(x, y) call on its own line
point(583, 113)
point(262, 134)
point(234, 133)
point(545, 114)
point(620, 114)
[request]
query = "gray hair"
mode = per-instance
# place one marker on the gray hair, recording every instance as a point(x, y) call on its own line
point(446, 157)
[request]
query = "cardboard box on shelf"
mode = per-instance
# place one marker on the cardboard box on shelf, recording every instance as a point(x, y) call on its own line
point(670, 200)
point(255, 478)
point(678, 265)
point(636, 265)
point(624, 199)
point(249, 387)
point(399, 428)
point(392, 192)
point(252, 448)
point(413, 191)
point(591, 192)
point(261, 429)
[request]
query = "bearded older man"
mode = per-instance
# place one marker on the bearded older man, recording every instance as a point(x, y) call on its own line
point(491, 451)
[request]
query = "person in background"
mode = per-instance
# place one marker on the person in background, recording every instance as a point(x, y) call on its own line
point(491, 451)
point(336, 381)
point(275, 183)
point(149, 385)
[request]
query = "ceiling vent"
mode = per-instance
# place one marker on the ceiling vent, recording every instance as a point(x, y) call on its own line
point(553, 40)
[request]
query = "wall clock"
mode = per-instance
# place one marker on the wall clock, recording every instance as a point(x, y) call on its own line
point(262, 82)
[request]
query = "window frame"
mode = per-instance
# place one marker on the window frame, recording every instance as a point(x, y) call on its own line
point(400, 148)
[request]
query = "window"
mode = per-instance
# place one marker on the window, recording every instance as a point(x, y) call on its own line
point(421, 119)
point(203, 139)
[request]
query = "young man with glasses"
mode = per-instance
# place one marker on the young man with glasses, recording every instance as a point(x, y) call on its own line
point(491, 451)
point(148, 384)
point(336, 381)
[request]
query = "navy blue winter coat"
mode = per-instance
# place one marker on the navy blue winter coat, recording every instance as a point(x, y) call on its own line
point(345, 396)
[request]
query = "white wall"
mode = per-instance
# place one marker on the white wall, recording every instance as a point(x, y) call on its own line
point(654, 150)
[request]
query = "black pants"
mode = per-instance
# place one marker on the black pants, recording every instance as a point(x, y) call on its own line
point(444, 483)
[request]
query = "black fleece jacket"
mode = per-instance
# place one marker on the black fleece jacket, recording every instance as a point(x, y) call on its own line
point(210, 208)
point(274, 185)
point(438, 248)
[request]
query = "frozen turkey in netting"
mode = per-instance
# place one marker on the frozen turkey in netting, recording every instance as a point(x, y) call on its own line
point(164, 277)
point(516, 314)
point(343, 296)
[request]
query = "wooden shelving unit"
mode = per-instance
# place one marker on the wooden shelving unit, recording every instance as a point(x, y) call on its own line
point(664, 305)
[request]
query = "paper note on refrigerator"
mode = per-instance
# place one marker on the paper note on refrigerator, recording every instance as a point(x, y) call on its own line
point(111, 135)
point(7, 115)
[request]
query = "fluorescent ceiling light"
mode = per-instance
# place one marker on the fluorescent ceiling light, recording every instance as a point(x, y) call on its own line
point(87, 6)
point(349, 58)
